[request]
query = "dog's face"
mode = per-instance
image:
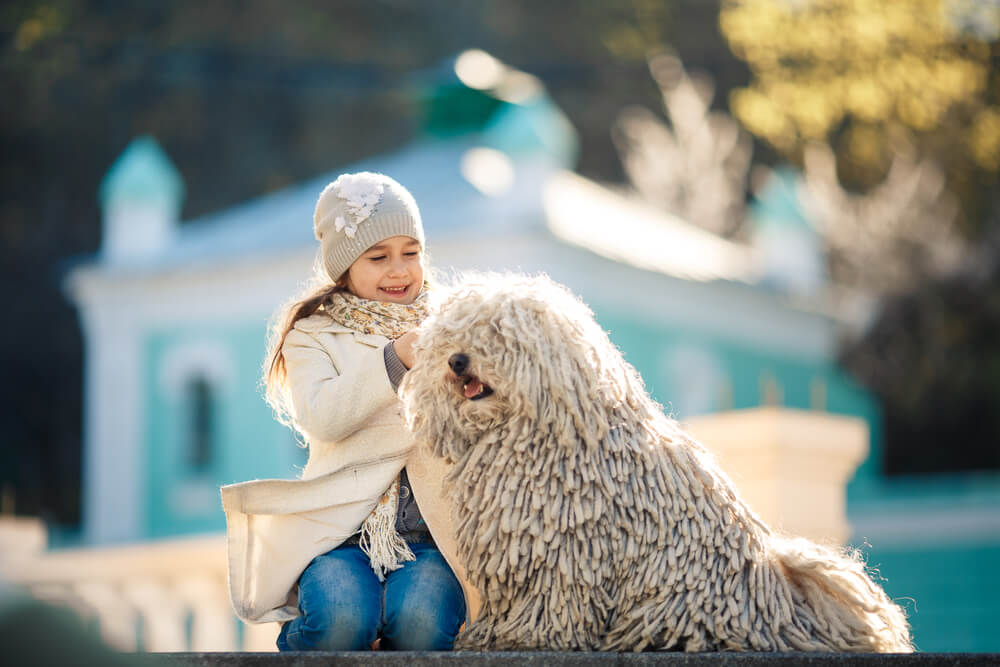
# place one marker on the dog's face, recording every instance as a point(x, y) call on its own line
point(504, 355)
point(463, 377)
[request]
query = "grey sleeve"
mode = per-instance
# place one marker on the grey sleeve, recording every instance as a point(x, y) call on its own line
point(393, 366)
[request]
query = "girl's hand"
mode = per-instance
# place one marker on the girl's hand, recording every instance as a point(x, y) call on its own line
point(404, 347)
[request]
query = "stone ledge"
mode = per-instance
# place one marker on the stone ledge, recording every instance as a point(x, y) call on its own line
point(566, 659)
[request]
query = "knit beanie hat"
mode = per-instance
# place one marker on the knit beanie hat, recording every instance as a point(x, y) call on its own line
point(357, 211)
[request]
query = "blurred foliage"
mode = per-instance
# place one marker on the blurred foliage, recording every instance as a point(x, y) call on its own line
point(247, 97)
point(875, 80)
point(696, 168)
point(863, 72)
point(933, 356)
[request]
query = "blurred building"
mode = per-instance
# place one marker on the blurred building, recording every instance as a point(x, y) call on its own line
point(175, 315)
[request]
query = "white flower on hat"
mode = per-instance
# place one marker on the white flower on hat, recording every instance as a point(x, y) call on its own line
point(362, 192)
point(340, 223)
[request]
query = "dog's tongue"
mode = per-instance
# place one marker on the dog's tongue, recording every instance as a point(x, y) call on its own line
point(473, 388)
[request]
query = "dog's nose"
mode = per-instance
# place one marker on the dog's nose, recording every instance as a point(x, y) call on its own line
point(459, 363)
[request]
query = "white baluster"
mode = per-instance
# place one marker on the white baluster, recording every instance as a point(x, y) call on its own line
point(117, 617)
point(214, 626)
point(260, 637)
point(64, 596)
point(163, 615)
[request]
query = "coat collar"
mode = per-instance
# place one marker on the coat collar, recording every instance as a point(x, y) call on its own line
point(322, 323)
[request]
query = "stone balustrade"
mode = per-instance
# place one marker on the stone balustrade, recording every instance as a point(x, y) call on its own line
point(162, 596)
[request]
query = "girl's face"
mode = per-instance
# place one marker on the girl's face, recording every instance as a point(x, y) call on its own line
point(391, 270)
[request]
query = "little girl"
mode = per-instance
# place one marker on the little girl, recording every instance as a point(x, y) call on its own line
point(344, 557)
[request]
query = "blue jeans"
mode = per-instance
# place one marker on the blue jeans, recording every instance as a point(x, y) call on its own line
point(419, 607)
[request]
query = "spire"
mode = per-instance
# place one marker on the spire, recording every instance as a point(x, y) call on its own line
point(140, 198)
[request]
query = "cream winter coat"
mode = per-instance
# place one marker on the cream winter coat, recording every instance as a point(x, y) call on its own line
point(358, 444)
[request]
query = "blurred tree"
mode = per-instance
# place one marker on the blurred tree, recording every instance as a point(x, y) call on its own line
point(697, 167)
point(860, 71)
point(889, 238)
point(909, 95)
point(933, 357)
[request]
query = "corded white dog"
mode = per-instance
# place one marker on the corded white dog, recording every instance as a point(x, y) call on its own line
point(587, 519)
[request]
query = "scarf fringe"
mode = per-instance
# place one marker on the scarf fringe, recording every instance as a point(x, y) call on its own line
point(380, 541)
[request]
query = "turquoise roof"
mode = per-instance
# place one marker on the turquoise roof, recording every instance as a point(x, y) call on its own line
point(142, 172)
point(532, 126)
point(514, 113)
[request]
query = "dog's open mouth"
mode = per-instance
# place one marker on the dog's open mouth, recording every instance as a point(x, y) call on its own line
point(473, 388)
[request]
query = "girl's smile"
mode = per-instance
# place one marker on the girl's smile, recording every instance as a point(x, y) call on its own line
point(395, 292)
point(391, 270)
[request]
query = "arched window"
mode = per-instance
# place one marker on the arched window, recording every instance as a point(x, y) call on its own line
point(201, 423)
point(196, 377)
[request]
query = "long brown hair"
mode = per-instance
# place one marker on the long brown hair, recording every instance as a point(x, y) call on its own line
point(316, 292)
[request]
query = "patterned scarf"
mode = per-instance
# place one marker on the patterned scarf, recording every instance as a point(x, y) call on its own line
point(384, 318)
point(379, 540)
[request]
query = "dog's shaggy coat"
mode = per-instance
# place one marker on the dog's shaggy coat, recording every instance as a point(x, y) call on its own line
point(587, 519)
